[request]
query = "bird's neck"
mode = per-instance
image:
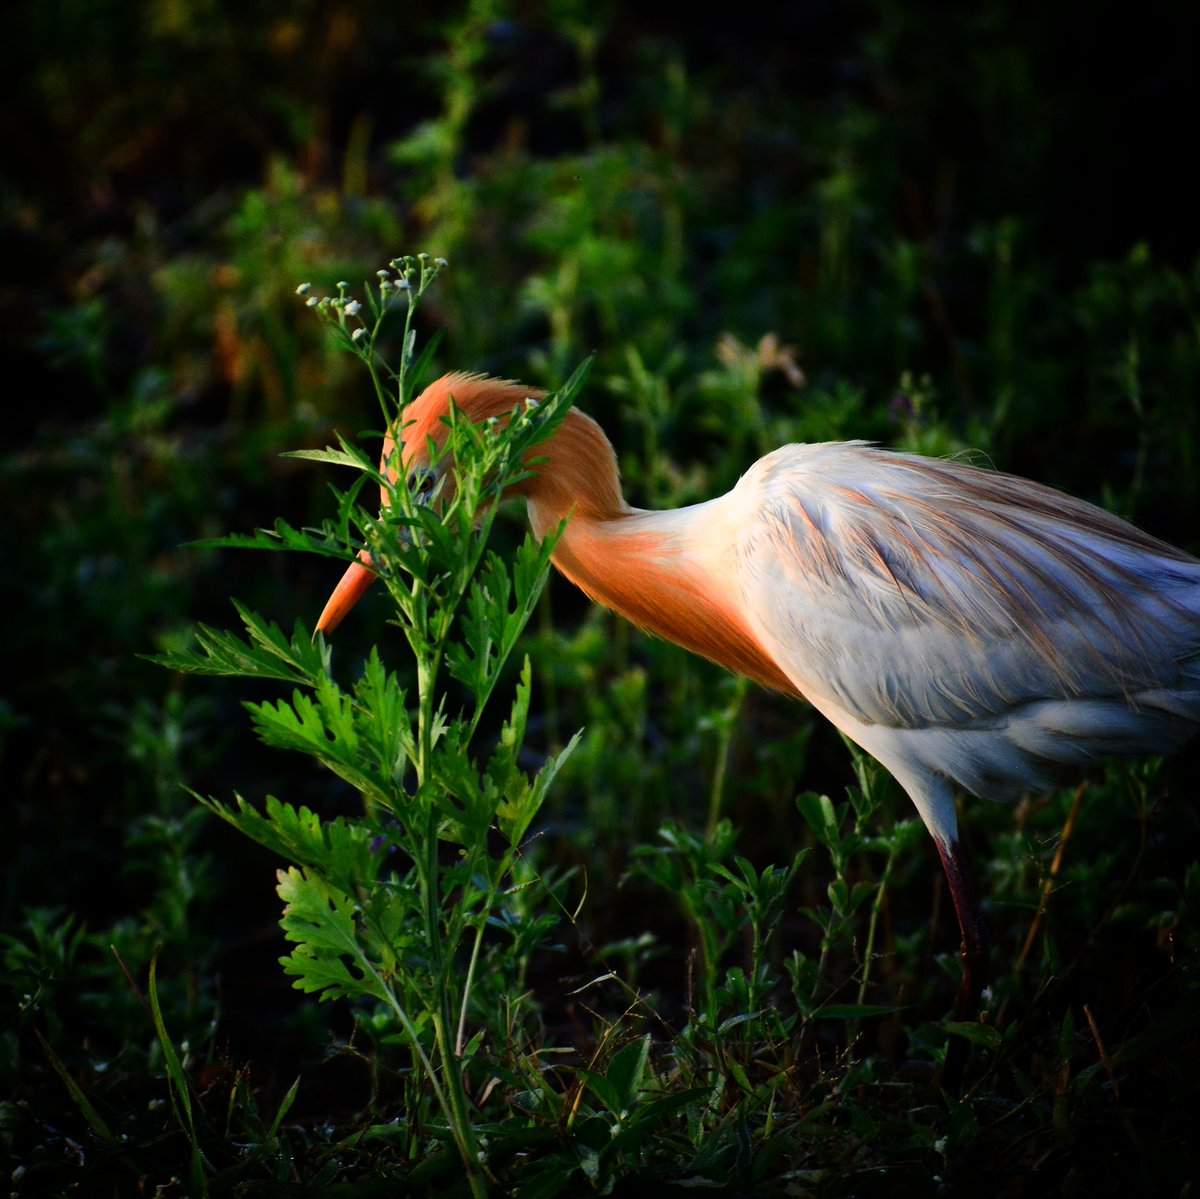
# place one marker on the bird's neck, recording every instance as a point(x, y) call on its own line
point(667, 572)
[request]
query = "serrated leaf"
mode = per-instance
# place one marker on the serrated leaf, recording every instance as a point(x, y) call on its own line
point(514, 817)
point(464, 802)
point(329, 540)
point(320, 920)
point(266, 653)
point(348, 455)
point(328, 725)
point(384, 717)
point(350, 853)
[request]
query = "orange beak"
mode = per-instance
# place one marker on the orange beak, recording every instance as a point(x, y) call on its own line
point(358, 577)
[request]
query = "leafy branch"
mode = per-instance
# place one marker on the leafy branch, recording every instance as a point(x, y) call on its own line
point(374, 910)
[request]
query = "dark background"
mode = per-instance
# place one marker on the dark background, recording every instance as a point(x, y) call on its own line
point(981, 216)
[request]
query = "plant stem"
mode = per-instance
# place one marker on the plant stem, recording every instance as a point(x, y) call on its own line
point(873, 923)
point(452, 1095)
point(729, 720)
point(470, 979)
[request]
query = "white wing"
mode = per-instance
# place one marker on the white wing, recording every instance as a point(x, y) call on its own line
point(963, 623)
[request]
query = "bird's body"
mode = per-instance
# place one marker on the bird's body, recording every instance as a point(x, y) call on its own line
point(967, 628)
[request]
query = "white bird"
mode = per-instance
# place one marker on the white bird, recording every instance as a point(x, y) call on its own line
point(967, 628)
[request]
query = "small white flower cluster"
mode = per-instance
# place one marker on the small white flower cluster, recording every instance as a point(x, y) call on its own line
point(341, 302)
point(408, 275)
point(405, 267)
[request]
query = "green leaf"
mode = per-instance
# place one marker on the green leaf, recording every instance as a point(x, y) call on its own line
point(384, 719)
point(349, 455)
point(465, 802)
point(348, 852)
point(320, 920)
point(987, 1035)
point(180, 1089)
point(330, 726)
point(94, 1120)
point(820, 816)
point(627, 1070)
point(330, 540)
point(605, 1092)
point(266, 653)
point(856, 1011)
point(417, 371)
point(514, 817)
point(285, 1105)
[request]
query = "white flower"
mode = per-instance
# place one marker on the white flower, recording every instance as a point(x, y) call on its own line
point(357, 334)
point(352, 309)
point(303, 289)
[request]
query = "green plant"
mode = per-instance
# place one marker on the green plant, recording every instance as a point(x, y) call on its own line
point(409, 906)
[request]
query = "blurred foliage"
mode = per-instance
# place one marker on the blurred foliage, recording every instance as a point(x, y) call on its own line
point(944, 228)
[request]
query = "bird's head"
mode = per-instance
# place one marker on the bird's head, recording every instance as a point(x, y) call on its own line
point(415, 454)
point(421, 458)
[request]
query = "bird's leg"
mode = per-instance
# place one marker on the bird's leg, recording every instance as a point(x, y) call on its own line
point(976, 944)
point(976, 950)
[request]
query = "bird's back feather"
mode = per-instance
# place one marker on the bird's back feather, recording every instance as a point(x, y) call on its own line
point(970, 624)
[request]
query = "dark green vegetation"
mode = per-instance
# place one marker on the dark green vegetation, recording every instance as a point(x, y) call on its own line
point(935, 228)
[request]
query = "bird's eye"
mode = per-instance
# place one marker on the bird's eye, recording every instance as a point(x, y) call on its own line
point(421, 483)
